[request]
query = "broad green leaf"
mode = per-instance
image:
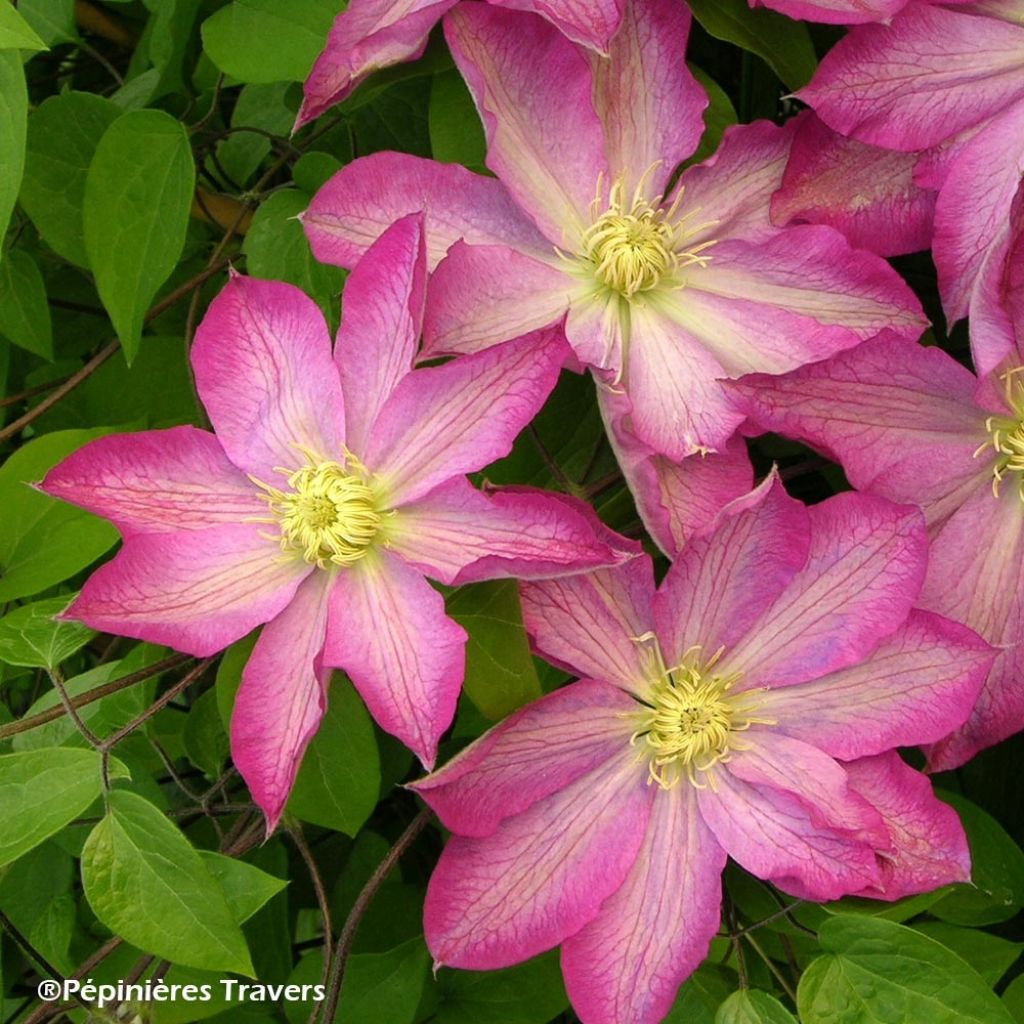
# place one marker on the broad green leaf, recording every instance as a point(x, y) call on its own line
point(24, 311)
point(996, 891)
point(261, 41)
point(245, 887)
point(456, 134)
point(500, 674)
point(1013, 999)
point(899, 911)
point(989, 955)
point(259, 106)
point(13, 118)
point(54, 20)
point(33, 637)
point(41, 791)
point(42, 540)
point(878, 972)
point(146, 883)
point(719, 115)
point(206, 741)
point(15, 31)
point(531, 993)
point(35, 893)
point(784, 45)
point(749, 1006)
point(701, 995)
point(229, 674)
point(138, 193)
point(63, 132)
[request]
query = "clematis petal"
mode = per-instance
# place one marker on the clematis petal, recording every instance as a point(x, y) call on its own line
point(901, 418)
point(262, 363)
point(156, 481)
point(863, 573)
point(866, 193)
point(367, 35)
point(675, 499)
point(457, 534)
point(356, 206)
point(591, 23)
point(834, 12)
point(929, 74)
point(929, 845)
point(380, 328)
point(532, 754)
point(443, 421)
point(541, 876)
point(533, 90)
point(646, 98)
point(197, 591)
point(627, 964)
point(282, 698)
point(388, 630)
point(918, 686)
point(484, 294)
point(595, 623)
point(723, 581)
point(678, 406)
point(771, 834)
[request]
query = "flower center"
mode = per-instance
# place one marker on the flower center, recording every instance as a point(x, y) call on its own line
point(1006, 434)
point(690, 722)
point(328, 513)
point(634, 246)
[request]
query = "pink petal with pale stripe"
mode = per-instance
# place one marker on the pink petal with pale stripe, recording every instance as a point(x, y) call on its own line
point(388, 630)
point(262, 363)
point(627, 964)
point(834, 12)
point(282, 698)
point(591, 23)
point(542, 875)
point(534, 753)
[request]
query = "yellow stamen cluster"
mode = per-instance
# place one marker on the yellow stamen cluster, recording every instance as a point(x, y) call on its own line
point(327, 514)
point(1006, 434)
point(690, 722)
point(633, 246)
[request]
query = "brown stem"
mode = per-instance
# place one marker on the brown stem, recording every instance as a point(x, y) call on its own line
point(321, 894)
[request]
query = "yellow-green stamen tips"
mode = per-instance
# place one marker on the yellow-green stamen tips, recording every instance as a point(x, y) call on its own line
point(690, 721)
point(1006, 434)
point(328, 513)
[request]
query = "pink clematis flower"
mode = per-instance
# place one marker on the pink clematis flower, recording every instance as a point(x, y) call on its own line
point(835, 12)
point(665, 290)
point(947, 79)
point(910, 424)
point(328, 493)
point(373, 34)
point(749, 707)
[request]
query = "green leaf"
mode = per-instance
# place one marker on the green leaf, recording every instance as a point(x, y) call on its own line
point(885, 973)
point(13, 118)
point(15, 32)
point(259, 106)
point(138, 193)
point(500, 674)
point(206, 741)
point(41, 791)
point(784, 45)
point(996, 891)
point(261, 41)
point(42, 540)
point(456, 134)
point(63, 133)
point(54, 20)
point(339, 781)
point(147, 884)
point(720, 114)
point(32, 637)
point(531, 993)
point(701, 995)
point(748, 1006)
point(1013, 999)
point(989, 955)
point(24, 311)
point(245, 887)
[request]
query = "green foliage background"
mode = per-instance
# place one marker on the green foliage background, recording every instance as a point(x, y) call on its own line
point(144, 148)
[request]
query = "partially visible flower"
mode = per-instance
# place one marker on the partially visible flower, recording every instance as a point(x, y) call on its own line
point(835, 12)
point(947, 79)
point(373, 34)
point(749, 707)
point(668, 287)
point(910, 424)
point(328, 493)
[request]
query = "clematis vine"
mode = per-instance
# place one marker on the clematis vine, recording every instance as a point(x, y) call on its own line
point(911, 424)
point(749, 707)
point(945, 80)
point(329, 491)
point(666, 286)
point(372, 34)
